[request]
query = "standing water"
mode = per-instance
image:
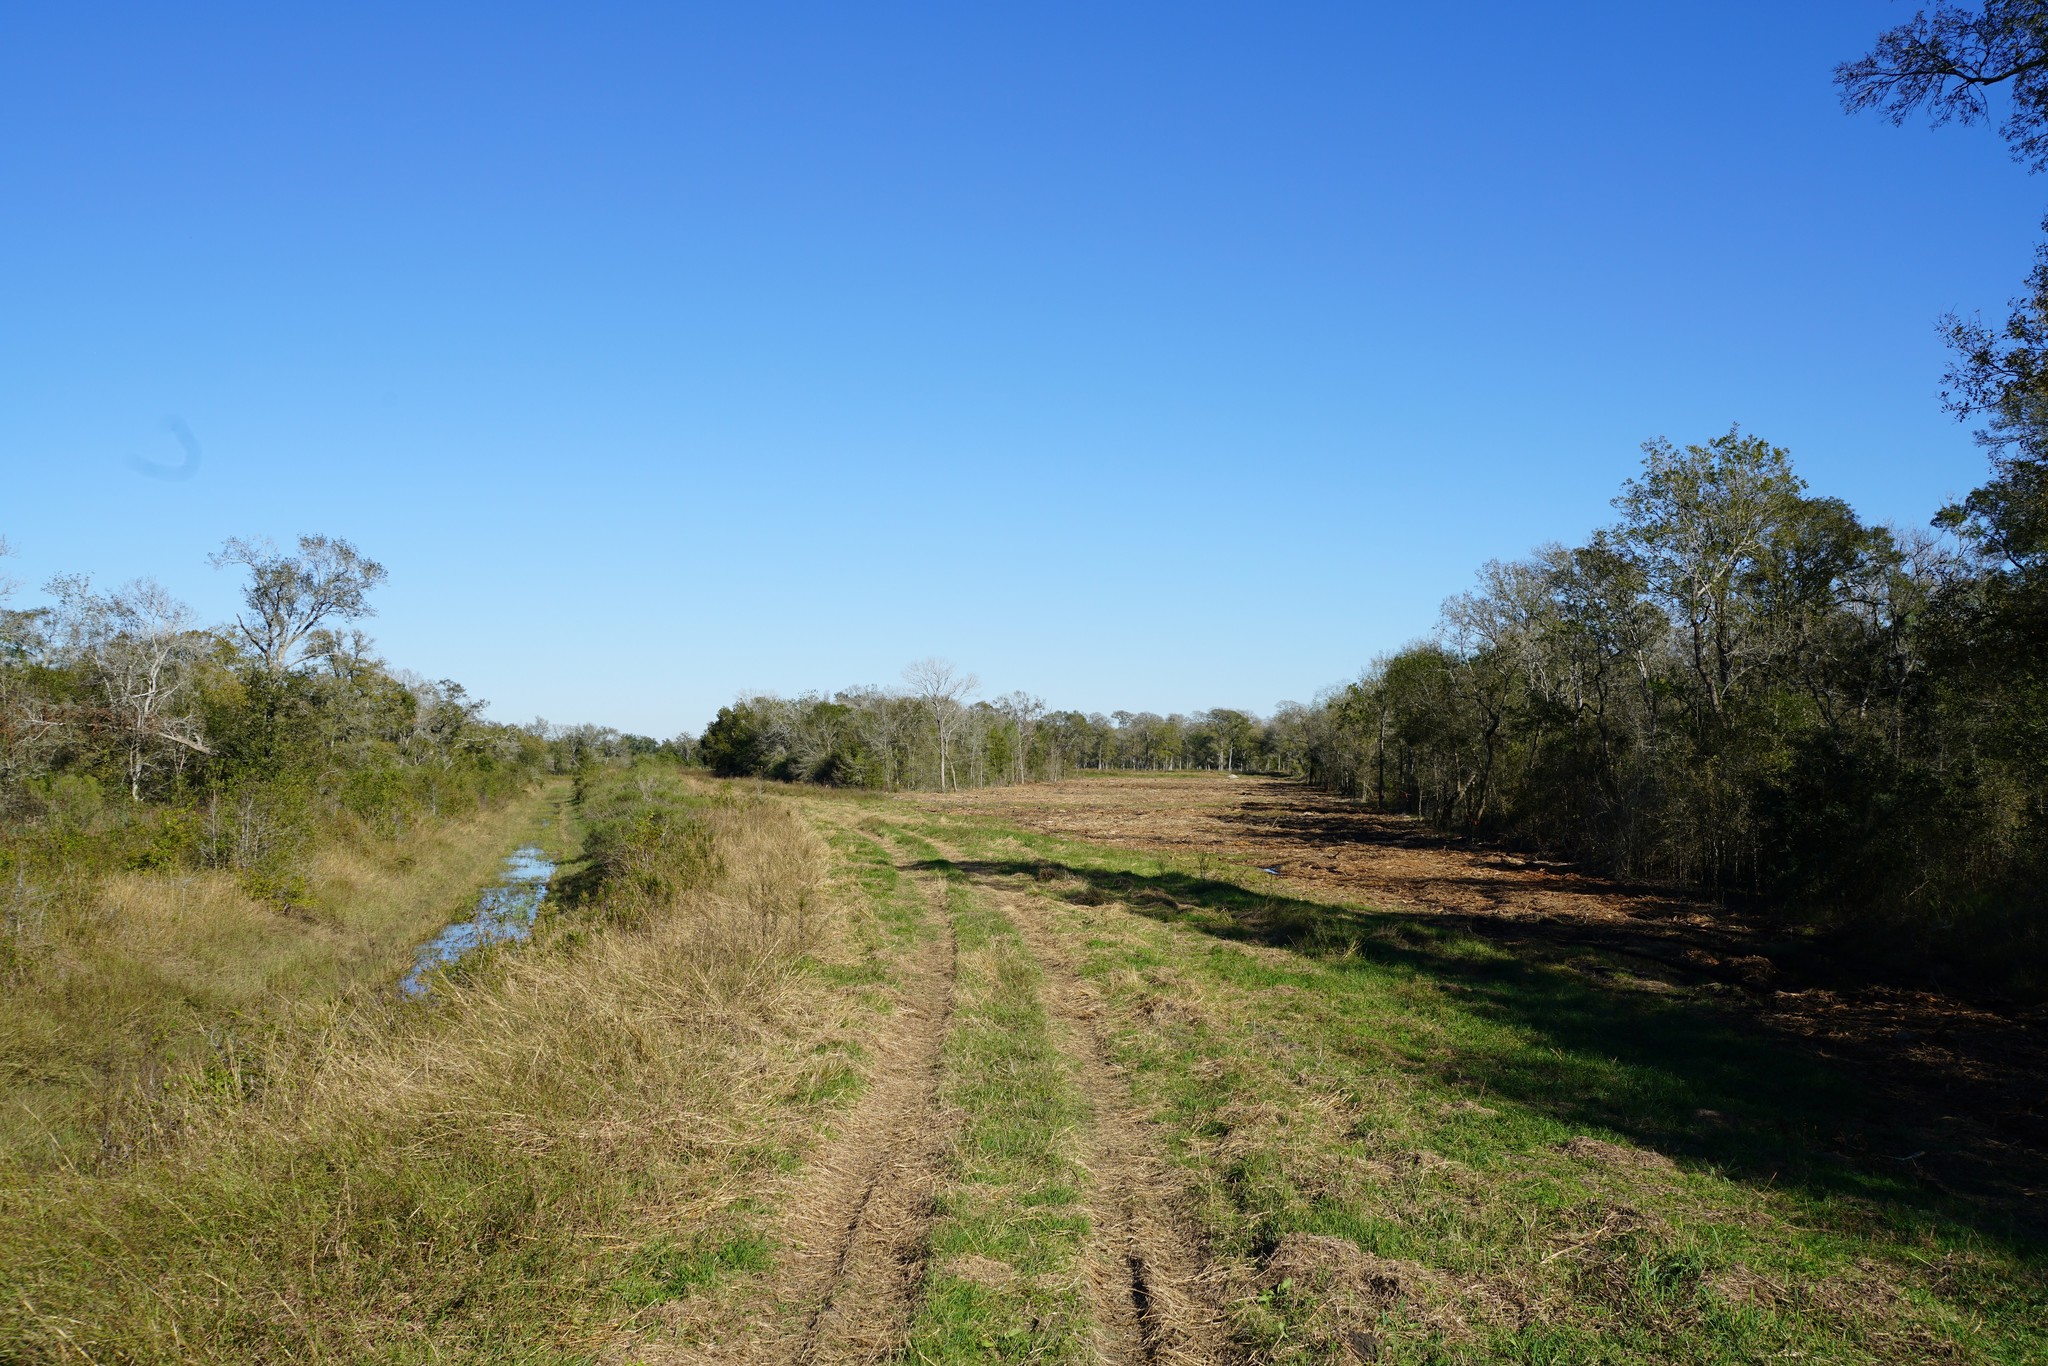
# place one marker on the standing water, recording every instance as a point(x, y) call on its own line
point(503, 913)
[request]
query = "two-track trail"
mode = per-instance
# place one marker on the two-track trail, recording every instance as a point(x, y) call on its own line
point(1117, 1109)
point(1150, 1297)
point(858, 1274)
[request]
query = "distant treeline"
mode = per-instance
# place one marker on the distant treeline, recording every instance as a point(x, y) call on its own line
point(132, 736)
point(920, 738)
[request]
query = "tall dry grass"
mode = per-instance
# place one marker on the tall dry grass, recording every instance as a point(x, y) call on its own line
point(466, 1178)
point(130, 979)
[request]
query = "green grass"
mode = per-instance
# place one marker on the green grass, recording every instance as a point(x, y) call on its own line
point(666, 1270)
point(1330, 1072)
point(1002, 1279)
point(1385, 1125)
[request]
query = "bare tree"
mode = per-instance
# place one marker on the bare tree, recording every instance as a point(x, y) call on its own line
point(1022, 710)
point(940, 688)
point(289, 597)
point(139, 647)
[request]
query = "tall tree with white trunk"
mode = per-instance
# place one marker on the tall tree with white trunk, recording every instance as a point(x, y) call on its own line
point(940, 689)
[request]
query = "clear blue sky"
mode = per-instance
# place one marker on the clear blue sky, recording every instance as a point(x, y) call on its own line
point(1139, 356)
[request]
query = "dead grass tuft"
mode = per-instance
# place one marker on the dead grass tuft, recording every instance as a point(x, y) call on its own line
point(1352, 1285)
point(1616, 1155)
point(1738, 1286)
point(982, 1271)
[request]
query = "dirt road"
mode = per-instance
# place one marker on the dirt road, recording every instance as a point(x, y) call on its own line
point(859, 1222)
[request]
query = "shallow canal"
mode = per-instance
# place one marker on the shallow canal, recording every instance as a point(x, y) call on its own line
point(503, 913)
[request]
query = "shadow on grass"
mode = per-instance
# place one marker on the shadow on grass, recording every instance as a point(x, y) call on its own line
point(1681, 1067)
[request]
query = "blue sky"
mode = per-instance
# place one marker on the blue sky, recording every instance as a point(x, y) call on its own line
point(1139, 356)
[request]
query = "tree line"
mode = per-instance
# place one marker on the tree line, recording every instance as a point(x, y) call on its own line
point(932, 733)
point(131, 735)
point(1738, 685)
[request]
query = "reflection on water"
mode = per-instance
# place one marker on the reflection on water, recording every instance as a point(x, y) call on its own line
point(504, 912)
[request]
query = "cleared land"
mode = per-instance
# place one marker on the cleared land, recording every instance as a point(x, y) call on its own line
point(1963, 1076)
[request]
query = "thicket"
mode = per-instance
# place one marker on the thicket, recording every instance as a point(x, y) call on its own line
point(1741, 687)
point(132, 737)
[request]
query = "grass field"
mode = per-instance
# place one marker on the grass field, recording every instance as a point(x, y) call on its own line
point(562, 1137)
point(812, 1077)
point(1185, 1115)
point(1399, 1130)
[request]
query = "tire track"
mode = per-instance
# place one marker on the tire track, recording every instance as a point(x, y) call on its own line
point(862, 1217)
point(857, 1215)
point(1153, 1298)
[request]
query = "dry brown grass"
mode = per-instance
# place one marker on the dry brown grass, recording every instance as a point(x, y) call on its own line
point(469, 1177)
point(150, 975)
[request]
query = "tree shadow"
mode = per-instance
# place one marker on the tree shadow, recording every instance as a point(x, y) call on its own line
point(1309, 824)
point(1669, 1054)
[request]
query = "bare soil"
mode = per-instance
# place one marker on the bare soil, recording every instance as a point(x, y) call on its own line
point(1970, 1070)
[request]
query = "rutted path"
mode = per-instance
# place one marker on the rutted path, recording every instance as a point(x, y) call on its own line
point(993, 1193)
point(1150, 1297)
point(862, 1211)
point(1004, 1198)
point(858, 1213)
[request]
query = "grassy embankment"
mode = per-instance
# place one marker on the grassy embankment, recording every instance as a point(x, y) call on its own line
point(1385, 1127)
point(143, 980)
point(560, 1141)
point(1397, 1129)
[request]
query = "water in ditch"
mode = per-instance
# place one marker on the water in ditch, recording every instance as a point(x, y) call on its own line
point(504, 913)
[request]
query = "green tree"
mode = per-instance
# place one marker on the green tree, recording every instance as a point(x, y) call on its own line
point(735, 745)
point(1698, 522)
point(291, 597)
